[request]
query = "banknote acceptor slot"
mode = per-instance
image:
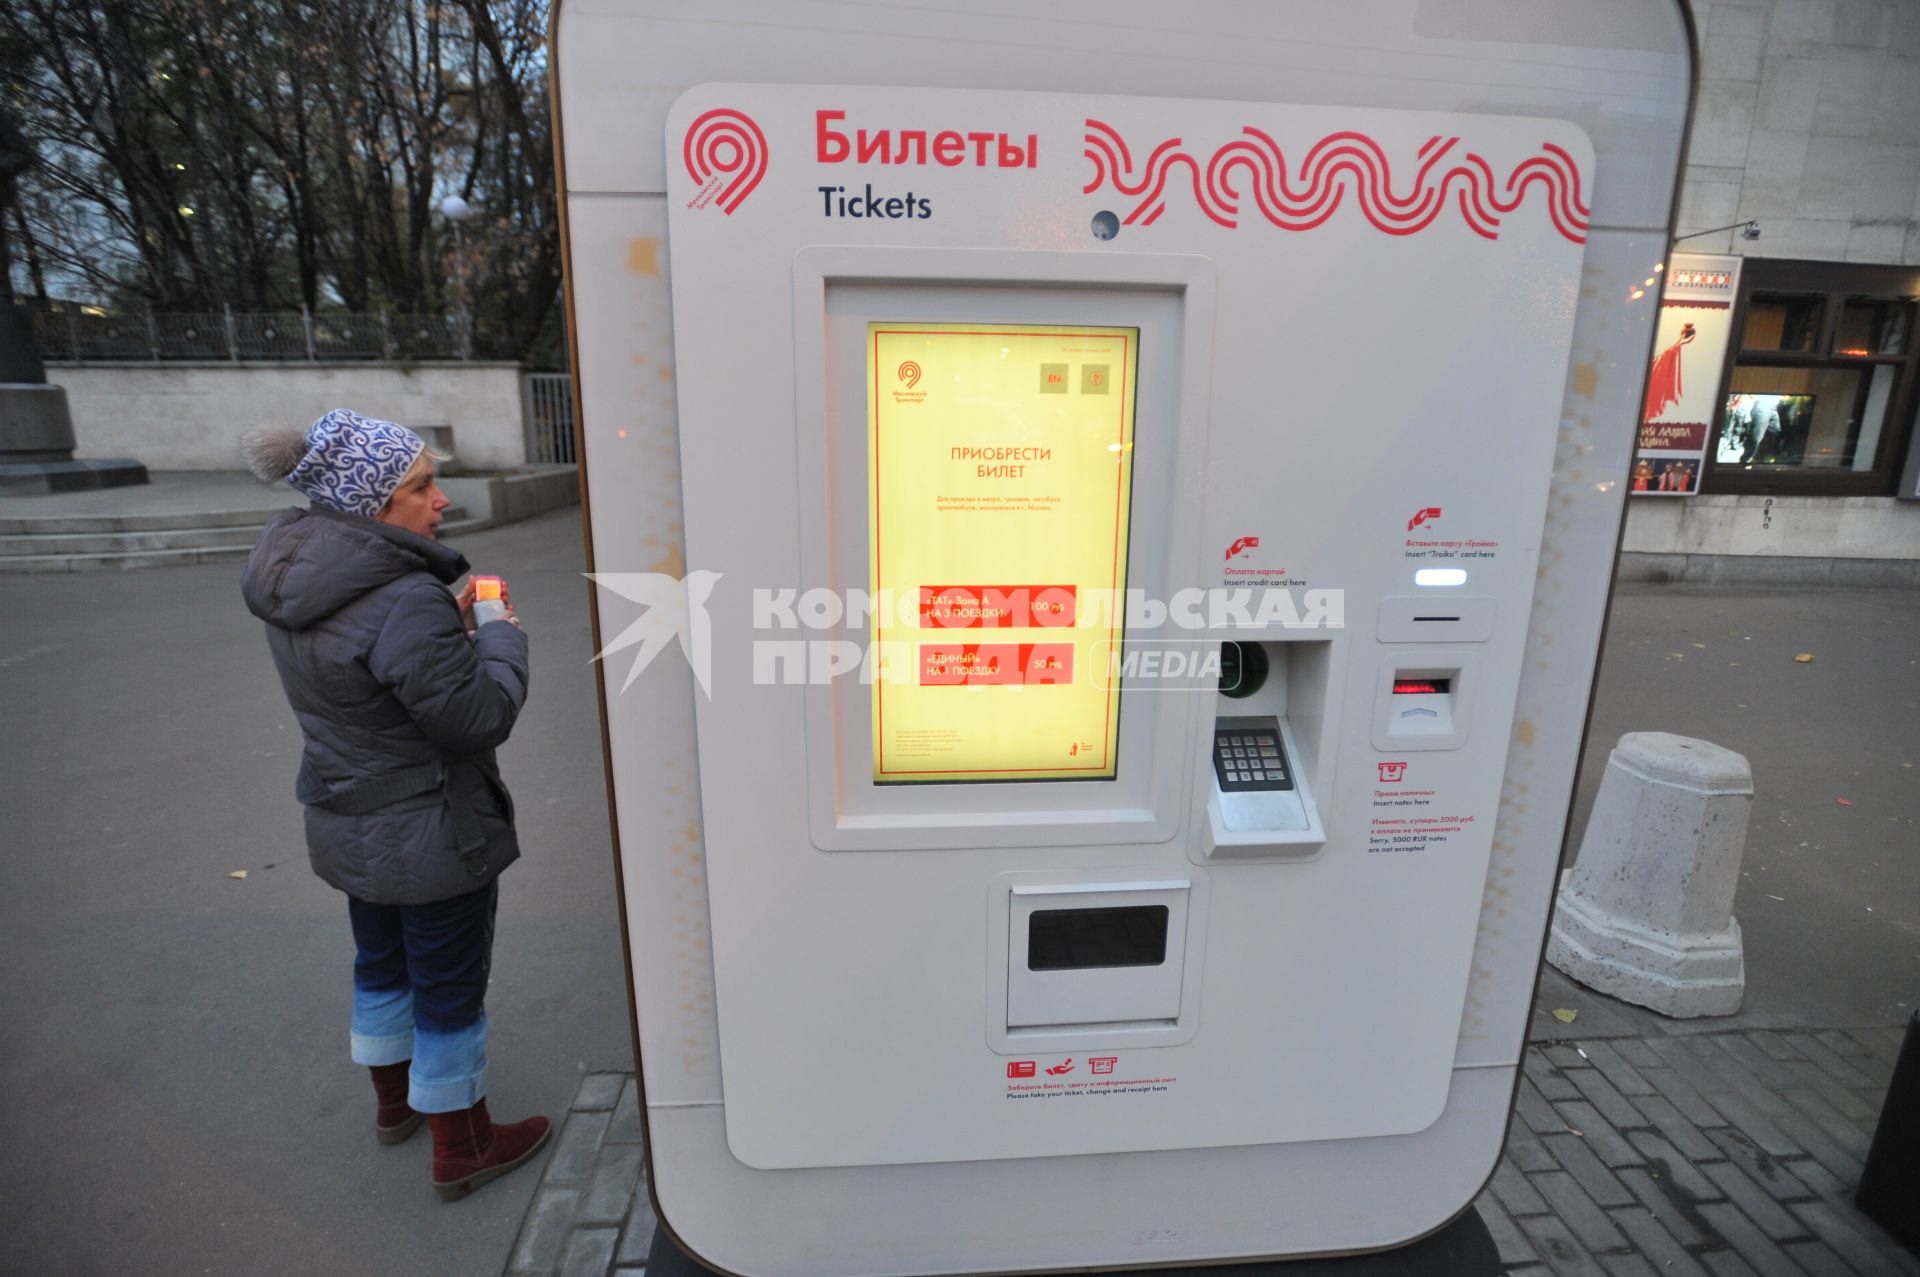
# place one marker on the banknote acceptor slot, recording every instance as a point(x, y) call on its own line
point(1423, 699)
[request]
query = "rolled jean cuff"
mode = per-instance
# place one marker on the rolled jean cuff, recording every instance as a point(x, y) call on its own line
point(382, 1026)
point(449, 1068)
point(394, 1048)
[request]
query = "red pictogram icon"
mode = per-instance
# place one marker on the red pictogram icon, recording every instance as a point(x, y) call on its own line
point(1019, 1068)
point(1421, 516)
point(1241, 545)
point(1065, 1066)
point(1103, 1063)
point(1393, 773)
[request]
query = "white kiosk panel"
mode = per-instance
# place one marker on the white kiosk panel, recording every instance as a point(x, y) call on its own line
point(854, 982)
point(1256, 986)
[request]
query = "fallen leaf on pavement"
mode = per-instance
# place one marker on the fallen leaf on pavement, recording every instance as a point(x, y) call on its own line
point(1805, 658)
point(238, 873)
point(1565, 1016)
point(1844, 802)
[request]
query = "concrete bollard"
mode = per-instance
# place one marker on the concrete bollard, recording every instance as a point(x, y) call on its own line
point(1646, 913)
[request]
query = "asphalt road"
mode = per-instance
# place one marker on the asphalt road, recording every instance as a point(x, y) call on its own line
point(178, 1097)
point(1829, 897)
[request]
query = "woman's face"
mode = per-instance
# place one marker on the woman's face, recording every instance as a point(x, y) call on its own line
point(416, 504)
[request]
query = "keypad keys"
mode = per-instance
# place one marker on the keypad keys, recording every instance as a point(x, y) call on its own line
point(1249, 760)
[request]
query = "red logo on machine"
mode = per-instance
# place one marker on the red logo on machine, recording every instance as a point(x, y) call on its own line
point(1301, 192)
point(1421, 516)
point(727, 154)
point(909, 372)
point(1393, 773)
point(1065, 1066)
point(1241, 545)
point(1020, 1068)
point(1103, 1063)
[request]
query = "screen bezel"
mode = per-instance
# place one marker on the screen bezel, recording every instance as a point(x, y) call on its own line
point(837, 292)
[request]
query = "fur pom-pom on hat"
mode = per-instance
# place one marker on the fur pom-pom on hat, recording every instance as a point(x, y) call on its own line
point(343, 461)
point(272, 452)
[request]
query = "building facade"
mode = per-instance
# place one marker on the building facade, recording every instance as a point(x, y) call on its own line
point(1804, 164)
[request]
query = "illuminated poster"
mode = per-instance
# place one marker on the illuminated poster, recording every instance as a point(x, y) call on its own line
point(999, 468)
point(1689, 352)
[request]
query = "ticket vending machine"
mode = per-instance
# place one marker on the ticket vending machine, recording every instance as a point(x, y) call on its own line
point(1101, 522)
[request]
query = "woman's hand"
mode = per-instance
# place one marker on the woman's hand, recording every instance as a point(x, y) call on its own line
point(464, 601)
point(506, 601)
point(465, 598)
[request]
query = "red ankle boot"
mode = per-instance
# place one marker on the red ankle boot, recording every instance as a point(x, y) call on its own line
point(394, 1120)
point(469, 1150)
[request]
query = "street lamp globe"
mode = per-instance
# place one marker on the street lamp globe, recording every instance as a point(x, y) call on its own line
point(454, 208)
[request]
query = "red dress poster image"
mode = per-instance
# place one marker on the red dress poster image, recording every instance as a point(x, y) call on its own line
point(1678, 416)
point(1663, 385)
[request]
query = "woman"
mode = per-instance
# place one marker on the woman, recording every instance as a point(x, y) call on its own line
point(401, 708)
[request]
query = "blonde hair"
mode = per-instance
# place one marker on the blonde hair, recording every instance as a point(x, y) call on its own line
point(420, 464)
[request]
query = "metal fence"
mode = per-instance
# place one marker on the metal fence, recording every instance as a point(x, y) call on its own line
point(550, 418)
point(251, 336)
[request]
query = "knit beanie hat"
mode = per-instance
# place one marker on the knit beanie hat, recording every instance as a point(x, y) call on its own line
point(343, 461)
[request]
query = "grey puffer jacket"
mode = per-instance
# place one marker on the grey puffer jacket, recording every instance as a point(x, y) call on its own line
point(400, 708)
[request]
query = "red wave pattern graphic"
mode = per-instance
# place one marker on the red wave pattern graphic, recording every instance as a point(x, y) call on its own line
point(727, 145)
point(1338, 164)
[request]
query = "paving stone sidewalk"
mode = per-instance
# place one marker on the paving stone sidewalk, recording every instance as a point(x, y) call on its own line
point(1718, 1153)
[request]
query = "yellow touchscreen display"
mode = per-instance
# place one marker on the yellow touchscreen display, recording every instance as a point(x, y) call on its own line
point(999, 465)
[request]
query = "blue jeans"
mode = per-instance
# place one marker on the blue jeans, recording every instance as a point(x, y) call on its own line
point(419, 993)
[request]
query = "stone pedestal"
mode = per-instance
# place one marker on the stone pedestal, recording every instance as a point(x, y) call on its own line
point(34, 423)
point(1646, 913)
point(36, 430)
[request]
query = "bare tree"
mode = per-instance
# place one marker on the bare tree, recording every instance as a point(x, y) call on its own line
point(16, 157)
point(511, 133)
point(274, 153)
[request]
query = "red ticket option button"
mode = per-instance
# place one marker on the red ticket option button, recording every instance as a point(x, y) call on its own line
point(995, 664)
point(997, 607)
